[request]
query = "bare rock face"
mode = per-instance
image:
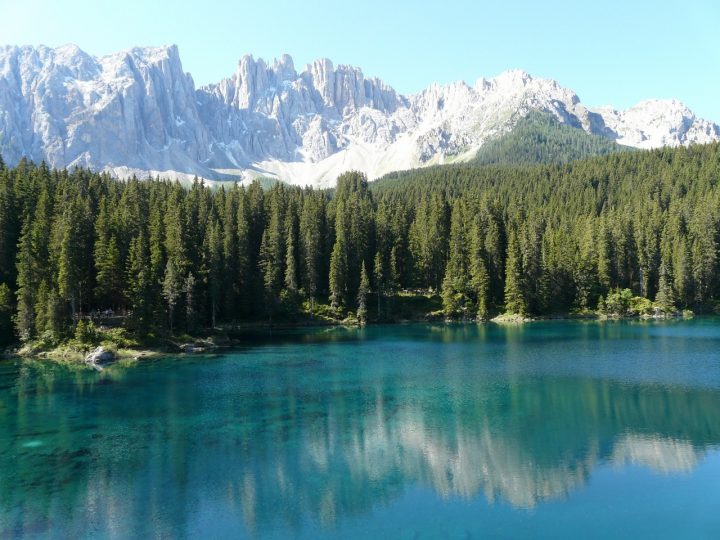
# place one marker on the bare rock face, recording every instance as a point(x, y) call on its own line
point(134, 109)
point(138, 112)
point(272, 112)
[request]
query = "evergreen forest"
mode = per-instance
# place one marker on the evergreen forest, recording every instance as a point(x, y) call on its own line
point(539, 137)
point(611, 234)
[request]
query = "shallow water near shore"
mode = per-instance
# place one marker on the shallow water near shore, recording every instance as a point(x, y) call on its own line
point(557, 429)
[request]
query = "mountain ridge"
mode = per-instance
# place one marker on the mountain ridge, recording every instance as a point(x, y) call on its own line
point(138, 112)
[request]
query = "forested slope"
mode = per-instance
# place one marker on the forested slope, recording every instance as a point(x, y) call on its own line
point(540, 138)
point(528, 240)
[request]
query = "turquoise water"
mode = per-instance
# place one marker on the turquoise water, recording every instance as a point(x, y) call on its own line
point(548, 430)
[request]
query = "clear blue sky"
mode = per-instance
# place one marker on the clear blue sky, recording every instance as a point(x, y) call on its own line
point(610, 52)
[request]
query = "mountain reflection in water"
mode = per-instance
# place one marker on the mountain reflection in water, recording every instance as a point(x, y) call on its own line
point(323, 427)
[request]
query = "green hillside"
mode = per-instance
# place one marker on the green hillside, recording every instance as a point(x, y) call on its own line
point(540, 138)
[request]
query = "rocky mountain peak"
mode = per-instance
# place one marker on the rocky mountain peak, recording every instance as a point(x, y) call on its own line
point(138, 111)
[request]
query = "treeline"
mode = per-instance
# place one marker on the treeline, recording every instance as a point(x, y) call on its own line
point(552, 239)
point(532, 240)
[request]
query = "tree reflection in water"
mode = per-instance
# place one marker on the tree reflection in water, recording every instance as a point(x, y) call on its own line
point(277, 434)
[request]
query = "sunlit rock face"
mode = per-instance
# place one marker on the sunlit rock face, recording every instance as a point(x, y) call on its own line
point(134, 109)
point(138, 112)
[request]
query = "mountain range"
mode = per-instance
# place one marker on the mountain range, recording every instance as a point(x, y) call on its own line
point(138, 112)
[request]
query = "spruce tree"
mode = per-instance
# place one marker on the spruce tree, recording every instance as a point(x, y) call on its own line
point(586, 270)
point(428, 240)
point(68, 276)
point(230, 276)
point(379, 279)
point(480, 280)
point(140, 285)
point(6, 310)
point(363, 292)
point(312, 230)
point(479, 276)
point(515, 303)
point(291, 270)
point(27, 285)
point(172, 288)
point(339, 261)
point(214, 268)
point(273, 250)
point(457, 280)
point(192, 309)
point(109, 276)
point(665, 297)
point(8, 231)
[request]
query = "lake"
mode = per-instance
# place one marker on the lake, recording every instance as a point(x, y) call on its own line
point(548, 430)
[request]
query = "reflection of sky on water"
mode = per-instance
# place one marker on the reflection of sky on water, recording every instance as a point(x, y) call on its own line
point(276, 437)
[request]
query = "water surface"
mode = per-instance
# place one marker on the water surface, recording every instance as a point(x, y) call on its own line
point(556, 430)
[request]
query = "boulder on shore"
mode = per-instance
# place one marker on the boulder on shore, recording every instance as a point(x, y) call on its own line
point(193, 348)
point(197, 347)
point(101, 355)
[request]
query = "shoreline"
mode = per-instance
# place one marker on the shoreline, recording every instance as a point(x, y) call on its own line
point(231, 337)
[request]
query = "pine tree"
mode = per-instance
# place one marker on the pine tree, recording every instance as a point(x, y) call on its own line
point(109, 273)
point(665, 297)
point(155, 241)
point(379, 279)
point(530, 242)
point(231, 278)
point(456, 283)
point(8, 231)
point(291, 273)
point(494, 245)
point(354, 215)
point(140, 285)
point(682, 271)
point(312, 232)
point(363, 292)
point(479, 276)
point(6, 310)
point(191, 302)
point(51, 313)
point(214, 268)
point(176, 233)
point(27, 284)
point(172, 288)
point(338, 273)
point(515, 303)
point(428, 241)
point(480, 280)
point(273, 251)
point(74, 267)
point(586, 271)
point(86, 333)
point(339, 262)
point(604, 257)
point(393, 279)
point(108, 263)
